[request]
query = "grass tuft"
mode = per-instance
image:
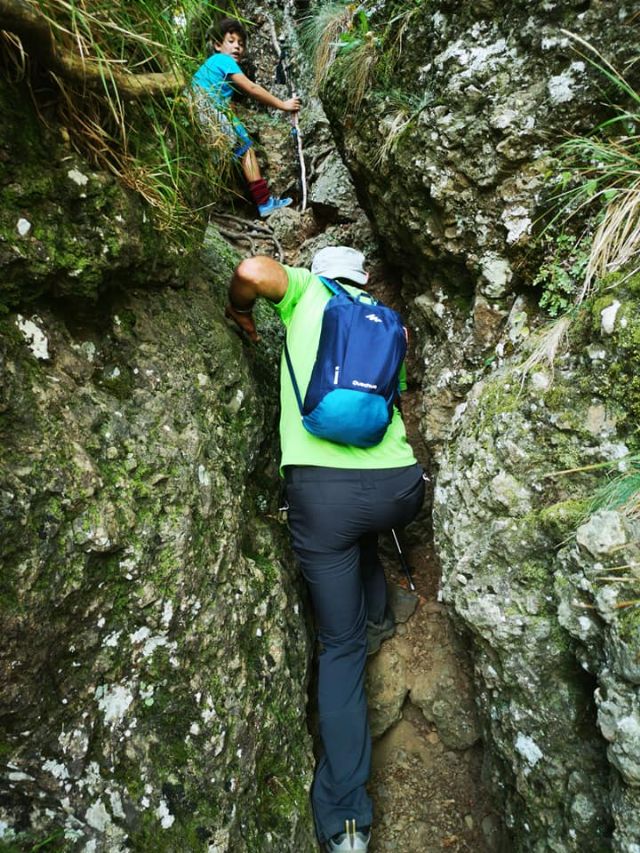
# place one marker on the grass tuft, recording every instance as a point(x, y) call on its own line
point(607, 166)
point(622, 491)
point(320, 37)
point(119, 72)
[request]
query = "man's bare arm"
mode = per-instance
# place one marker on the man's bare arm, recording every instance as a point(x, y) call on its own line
point(253, 277)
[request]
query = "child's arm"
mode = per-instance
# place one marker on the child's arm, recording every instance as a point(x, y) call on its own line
point(258, 93)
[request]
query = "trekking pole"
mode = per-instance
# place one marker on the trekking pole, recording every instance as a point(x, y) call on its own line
point(403, 562)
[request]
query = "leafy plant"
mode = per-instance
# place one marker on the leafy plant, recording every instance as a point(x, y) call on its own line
point(561, 274)
point(395, 34)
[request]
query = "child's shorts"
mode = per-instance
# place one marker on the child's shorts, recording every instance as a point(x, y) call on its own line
point(209, 111)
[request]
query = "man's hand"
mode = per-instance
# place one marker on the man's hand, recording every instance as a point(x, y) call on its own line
point(244, 321)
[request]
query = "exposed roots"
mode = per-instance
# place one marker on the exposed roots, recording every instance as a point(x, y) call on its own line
point(247, 232)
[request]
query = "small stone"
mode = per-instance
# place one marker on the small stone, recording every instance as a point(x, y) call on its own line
point(608, 318)
point(77, 177)
point(23, 226)
point(401, 602)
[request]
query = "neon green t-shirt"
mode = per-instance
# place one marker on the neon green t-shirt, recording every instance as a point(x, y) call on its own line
point(301, 311)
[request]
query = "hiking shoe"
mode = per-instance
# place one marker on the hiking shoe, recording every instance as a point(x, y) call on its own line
point(378, 632)
point(352, 839)
point(274, 203)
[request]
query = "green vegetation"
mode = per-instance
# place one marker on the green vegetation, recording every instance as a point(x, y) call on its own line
point(349, 50)
point(602, 182)
point(561, 274)
point(122, 99)
point(560, 520)
point(621, 491)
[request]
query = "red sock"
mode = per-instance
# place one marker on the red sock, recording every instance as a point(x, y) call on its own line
point(259, 191)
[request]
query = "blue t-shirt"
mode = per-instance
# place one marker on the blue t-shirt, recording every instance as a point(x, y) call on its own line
point(213, 74)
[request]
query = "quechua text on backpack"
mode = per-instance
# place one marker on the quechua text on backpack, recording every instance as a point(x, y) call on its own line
point(355, 378)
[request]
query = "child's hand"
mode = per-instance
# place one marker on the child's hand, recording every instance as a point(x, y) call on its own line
point(292, 105)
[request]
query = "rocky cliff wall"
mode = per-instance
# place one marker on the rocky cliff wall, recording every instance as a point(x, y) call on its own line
point(548, 586)
point(452, 149)
point(453, 152)
point(154, 661)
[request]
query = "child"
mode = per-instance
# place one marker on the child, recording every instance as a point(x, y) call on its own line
point(214, 84)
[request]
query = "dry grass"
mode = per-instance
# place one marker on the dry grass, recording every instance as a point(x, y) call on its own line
point(152, 142)
point(357, 68)
point(608, 165)
point(321, 37)
point(548, 344)
point(617, 241)
point(393, 132)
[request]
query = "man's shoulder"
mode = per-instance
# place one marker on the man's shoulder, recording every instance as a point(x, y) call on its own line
point(299, 281)
point(297, 272)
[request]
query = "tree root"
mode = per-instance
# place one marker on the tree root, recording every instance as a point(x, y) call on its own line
point(22, 19)
point(249, 232)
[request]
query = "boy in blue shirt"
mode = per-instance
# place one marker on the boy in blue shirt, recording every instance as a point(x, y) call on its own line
point(214, 84)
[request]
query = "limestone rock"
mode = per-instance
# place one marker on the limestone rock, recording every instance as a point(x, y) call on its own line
point(386, 688)
point(154, 661)
point(555, 628)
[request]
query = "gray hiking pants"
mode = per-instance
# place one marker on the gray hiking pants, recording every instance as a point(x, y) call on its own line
point(335, 515)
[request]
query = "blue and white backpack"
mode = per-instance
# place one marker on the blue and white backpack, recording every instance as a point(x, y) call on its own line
point(355, 378)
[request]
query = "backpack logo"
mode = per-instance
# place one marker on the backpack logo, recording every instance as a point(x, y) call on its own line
point(353, 385)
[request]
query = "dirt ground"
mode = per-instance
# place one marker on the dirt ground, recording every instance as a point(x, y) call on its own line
point(428, 796)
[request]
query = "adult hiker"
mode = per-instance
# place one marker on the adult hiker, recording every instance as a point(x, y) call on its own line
point(340, 497)
point(214, 84)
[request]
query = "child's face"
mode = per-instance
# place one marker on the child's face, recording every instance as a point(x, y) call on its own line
point(232, 45)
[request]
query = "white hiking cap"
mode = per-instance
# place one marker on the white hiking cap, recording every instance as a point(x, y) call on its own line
point(340, 262)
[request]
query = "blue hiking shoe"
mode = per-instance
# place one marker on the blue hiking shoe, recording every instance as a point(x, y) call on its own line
point(274, 203)
point(352, 839)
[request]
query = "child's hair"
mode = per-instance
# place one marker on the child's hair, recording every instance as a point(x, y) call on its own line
point(218, 31)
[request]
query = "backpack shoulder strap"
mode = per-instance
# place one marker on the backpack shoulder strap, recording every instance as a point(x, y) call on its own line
point(292, 375)
point(335, 287)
